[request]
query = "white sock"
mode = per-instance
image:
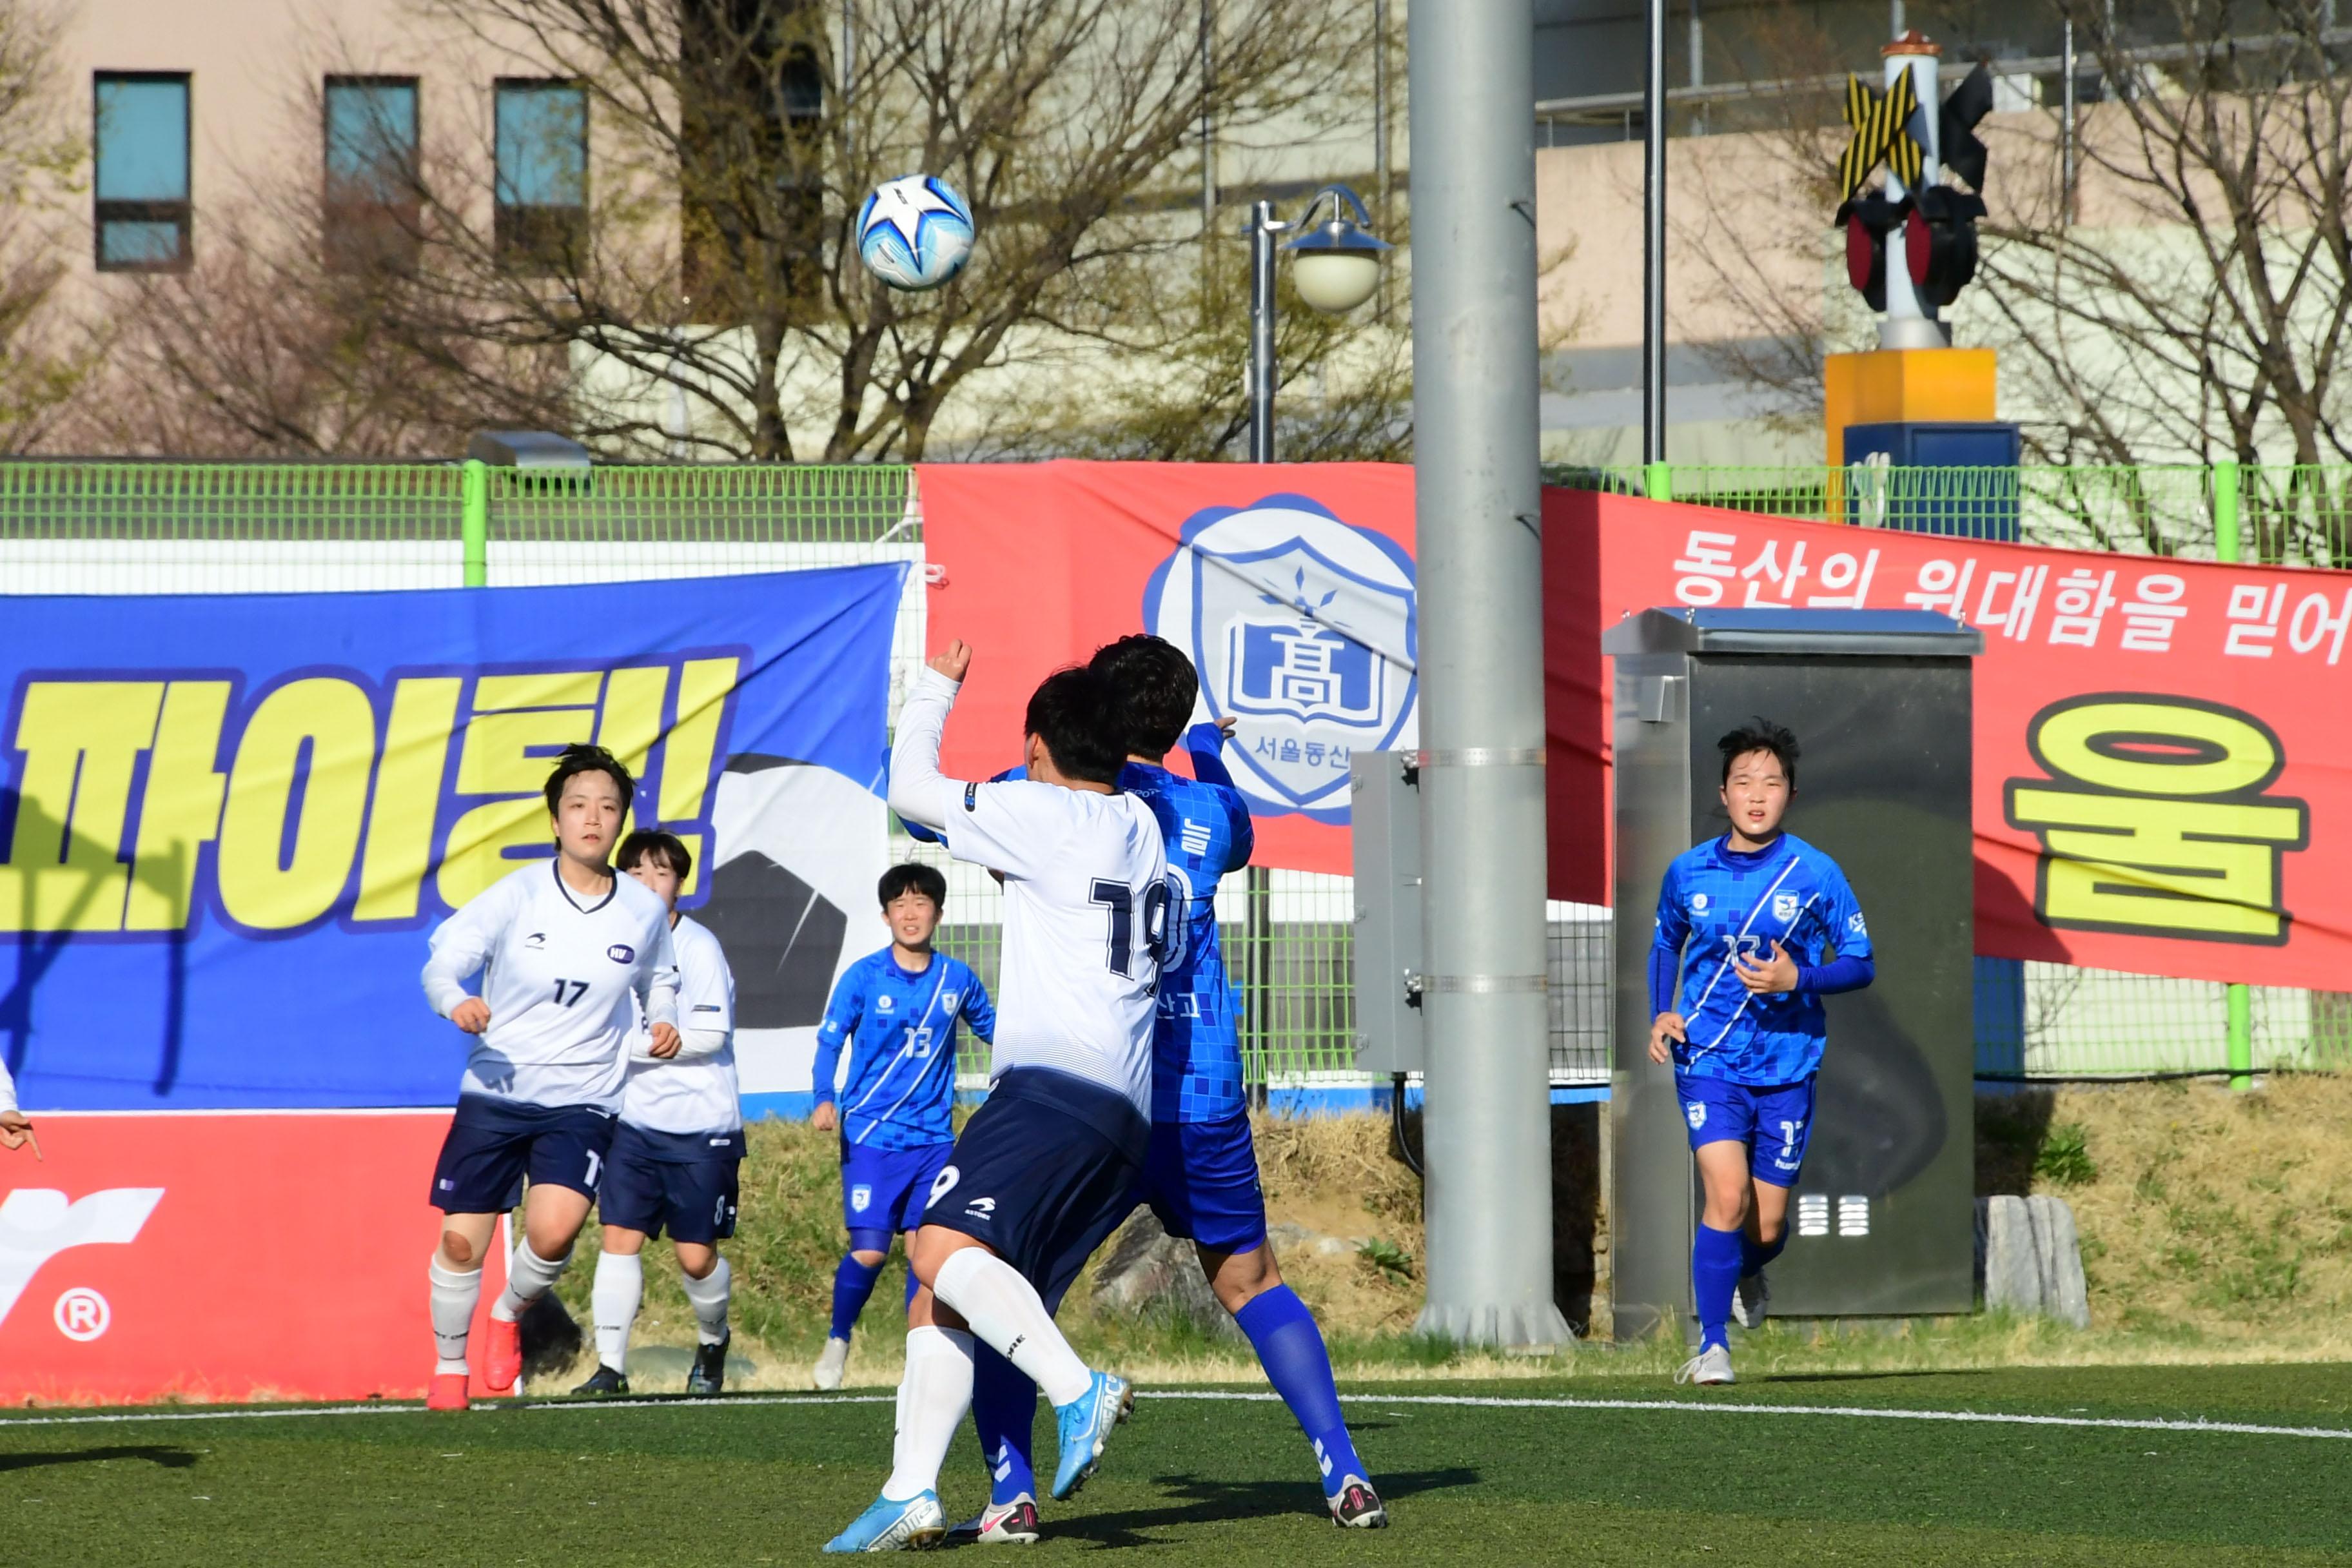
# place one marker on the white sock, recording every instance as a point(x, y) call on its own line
point(620, 1288)
point(932, 1399)
point(529, 1276)
point(454, 1296)
point(1006, 1310)
point(709, 1296)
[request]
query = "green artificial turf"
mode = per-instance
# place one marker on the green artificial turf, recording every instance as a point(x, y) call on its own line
point(1229, 1481)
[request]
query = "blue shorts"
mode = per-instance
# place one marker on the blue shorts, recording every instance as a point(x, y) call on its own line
point(1042, 1175)
point(1200, 1179)
point(494, 1144)
point(885, 1189)
point(1776, 1123)
point(682, 1183)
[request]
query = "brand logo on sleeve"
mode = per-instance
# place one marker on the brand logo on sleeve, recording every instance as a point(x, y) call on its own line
point(621, 953)
point(1853, 923)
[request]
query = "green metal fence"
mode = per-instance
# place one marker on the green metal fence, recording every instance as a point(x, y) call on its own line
point(137, 528)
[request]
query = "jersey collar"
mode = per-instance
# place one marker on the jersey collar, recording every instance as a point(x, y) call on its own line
point(1725, 855)
point(555, 869)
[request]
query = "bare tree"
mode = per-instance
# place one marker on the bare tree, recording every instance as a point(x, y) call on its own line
point(2188, 301)
point(43, 357)
point(703, 291)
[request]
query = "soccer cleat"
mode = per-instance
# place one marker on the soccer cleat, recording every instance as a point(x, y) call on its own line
point(709, 1373)
point(1010, 1523)
point(1709, 1368)
point(1085, 1423)
point(1749, 1301)
point(888, 1526)
point(447, 1392)
point(1356, 1506)
point(831, 1365)
point(502, 1355)
point(602, 1383)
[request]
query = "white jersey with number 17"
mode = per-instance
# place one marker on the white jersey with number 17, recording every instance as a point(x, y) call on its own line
point(1085, 904)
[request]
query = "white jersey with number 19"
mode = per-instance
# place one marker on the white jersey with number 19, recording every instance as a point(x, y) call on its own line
point(1085, 904)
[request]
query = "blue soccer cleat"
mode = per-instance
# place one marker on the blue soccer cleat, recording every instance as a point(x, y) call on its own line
point(1085, 1423)
point(890, 1526)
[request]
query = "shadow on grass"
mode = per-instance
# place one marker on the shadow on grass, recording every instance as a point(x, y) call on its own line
point(1196, 1499)
point(169, 1458)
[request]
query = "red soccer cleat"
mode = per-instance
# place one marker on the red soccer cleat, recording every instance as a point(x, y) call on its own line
point(447, 1392)
point(503, 1356)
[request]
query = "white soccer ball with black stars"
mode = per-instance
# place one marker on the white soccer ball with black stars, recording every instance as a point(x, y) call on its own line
point(914, 232)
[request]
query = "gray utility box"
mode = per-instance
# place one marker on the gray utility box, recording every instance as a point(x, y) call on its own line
point(1384, 811)
point(1883, 1217)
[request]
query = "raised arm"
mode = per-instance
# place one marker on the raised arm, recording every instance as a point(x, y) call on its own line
point(920, 793)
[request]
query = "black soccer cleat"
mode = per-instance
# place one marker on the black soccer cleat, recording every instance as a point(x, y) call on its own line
point(709, 1373)
point(603, 1383)
point(1356, 1506)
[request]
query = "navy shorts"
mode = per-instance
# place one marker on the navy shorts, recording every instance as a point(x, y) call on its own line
point(1200, 1179)
point(682, 1183)
point(885, 1189)
point(494, 1144)
point(1043, 1174)
point(1775, 1123)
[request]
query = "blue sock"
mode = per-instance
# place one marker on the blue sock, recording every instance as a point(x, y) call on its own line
point(1754, 1255)
point(852, 1283)
point(1290, 1347)
point(913, 1284)
point(1714, 1275)
point(1005, 1412)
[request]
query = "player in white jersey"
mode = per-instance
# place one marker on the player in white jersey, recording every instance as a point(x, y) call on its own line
point(569, 953)
point(679, 1151)
point(1043, 1171)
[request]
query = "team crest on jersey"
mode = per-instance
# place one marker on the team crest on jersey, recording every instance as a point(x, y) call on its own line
point(621, 953)
point(1305, 629)
point(1784, 907)
point(1698, 904)
point(1695, 1110)
point(951, 998)
point(861, 1197)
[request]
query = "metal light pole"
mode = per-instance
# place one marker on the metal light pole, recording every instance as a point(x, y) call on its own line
point(1487, 1134)
point(1339, 265)
point(1653, 241)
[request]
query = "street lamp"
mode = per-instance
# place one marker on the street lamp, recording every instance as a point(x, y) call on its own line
point(1338, 265)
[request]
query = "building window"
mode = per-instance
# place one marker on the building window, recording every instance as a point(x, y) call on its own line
point(542, 170)
point(141, 151)
point(372, 200)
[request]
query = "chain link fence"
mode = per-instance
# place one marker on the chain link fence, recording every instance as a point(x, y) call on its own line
point(100, 528)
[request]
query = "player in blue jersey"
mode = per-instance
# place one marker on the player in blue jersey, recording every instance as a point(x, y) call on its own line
point(1754, 929)
point(1201, 1177)
point(895, 1011)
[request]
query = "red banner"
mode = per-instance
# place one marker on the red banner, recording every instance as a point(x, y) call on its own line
point(221, 1256)
point(2163, 777)
point(1291, 586)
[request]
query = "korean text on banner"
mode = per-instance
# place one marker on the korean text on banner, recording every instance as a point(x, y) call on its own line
point(1291, 586)
point(230, 820)
point(2162, 787)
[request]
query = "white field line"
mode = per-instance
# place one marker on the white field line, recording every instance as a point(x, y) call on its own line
point(1985, 1418)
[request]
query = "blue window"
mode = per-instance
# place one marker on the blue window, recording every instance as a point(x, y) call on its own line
point(141, 151)
point(372, 199)
point(542, 169)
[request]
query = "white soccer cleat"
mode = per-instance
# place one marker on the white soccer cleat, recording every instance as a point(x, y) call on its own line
point(1710, 1368)
point(1010, 1523)
point(1749, 1301)
point(831, 1365)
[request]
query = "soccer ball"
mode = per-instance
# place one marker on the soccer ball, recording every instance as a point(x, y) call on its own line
point(914, 232)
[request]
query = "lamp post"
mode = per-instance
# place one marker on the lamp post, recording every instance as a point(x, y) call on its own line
point(1336, 264)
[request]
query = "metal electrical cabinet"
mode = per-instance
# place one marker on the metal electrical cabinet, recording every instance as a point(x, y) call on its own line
point(1883, 1216)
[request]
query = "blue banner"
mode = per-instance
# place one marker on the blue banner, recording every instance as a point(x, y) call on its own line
point(230, 821)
